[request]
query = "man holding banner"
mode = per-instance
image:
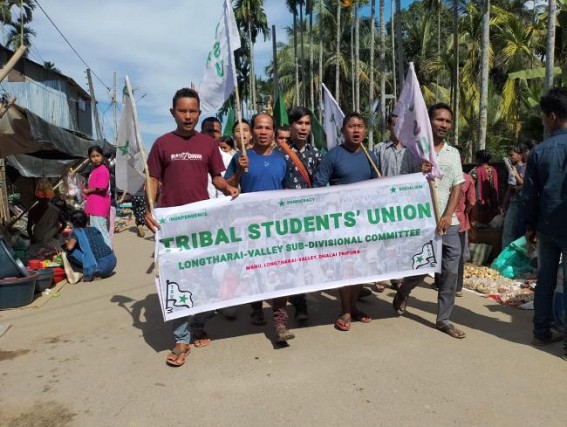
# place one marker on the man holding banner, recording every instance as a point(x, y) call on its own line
point(181, 161)
point(262, 169)
point(346, 164)
point(448, 188)
point(302, 160)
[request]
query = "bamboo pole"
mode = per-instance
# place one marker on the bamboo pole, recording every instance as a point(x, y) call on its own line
point(369, 157)
point(139, 142)
point(12, 62)
point(433, 190)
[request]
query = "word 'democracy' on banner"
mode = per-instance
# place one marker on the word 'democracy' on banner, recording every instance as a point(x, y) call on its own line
point(220, 253)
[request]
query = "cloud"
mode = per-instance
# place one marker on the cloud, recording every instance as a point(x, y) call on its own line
point(161, 47)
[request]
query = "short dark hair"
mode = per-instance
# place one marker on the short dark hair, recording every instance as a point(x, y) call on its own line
point(296, 113)
point(79, 218)
point(483, 156)
point(244, 122)
point(210, 120)
point(228, 140)
point(391, 118)
point(352, 116)
point(255, 116)
point(530, 144)
point(518, 149)
point(186, 93)
point(284, 128)
point(438, 106)
point(555, 101)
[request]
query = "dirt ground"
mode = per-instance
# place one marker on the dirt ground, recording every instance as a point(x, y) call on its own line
point(95, 356)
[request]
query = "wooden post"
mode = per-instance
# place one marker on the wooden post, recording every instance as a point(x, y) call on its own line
point(98, 125)
point(369, 157)
point(12, 62)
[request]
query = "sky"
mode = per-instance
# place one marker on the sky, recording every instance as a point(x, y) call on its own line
point(161, 46)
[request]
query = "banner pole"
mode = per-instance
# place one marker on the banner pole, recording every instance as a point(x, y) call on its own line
point(433, 190)
point(371, 161)
point(140, 145)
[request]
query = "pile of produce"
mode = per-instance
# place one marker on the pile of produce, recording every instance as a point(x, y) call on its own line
point(489, 282)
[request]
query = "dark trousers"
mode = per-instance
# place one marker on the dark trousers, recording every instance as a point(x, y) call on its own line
point(448, 279)
point(279, 310)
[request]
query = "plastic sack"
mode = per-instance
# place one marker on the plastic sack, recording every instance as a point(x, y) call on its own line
point(44, 189)
point(513, 262)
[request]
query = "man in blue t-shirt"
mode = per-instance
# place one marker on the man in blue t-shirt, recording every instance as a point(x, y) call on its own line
point(266, 171)
point(346, 164)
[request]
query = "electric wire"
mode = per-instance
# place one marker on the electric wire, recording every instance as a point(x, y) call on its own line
point(71, 46)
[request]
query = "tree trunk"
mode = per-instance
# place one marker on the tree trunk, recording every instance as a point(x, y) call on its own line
point(252, 71)
point(311, 94)
point(382, 70)
point(400, 51)
point(438, 48)
point(338, 52)
point(456, 72)
point(320, 87)
point(550, 51)
point(303, 101)
point(357, 57)
point(297, 101)
point(484, 47)
point(371, 89)
point(393, 40)
point(352, 78)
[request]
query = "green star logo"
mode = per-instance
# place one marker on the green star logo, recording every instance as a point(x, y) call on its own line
point(124, 148)
point(162, 220)
point(419, 259)
point(183, 299)
point(282, 203)
point(393, 190)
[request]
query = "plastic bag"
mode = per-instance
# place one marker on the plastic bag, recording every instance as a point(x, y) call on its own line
point(513, 262)
point(44, 189)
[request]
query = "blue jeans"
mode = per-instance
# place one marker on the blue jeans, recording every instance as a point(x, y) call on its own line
point(514, 223)
point(550, 249)
point(104, 266)
point(447, 279)
point(182, 327)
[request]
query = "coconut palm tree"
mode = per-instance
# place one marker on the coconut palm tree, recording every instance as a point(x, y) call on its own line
point(252, 21)
point(550, 51)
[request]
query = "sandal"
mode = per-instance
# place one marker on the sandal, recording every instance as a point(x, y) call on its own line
point(178, 355)
point(283, 334)
point(343, 322)
point(451, 330)
point(379, 287)
point(201, 338)
point(359, 316)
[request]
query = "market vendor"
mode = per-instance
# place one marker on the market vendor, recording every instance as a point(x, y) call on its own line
point(46, 221)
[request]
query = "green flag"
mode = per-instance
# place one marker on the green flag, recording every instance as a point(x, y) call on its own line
point(229, 123)
point(280, 113)
point(318, 134)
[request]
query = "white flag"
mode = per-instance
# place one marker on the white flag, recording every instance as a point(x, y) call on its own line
point(332, 119)
point(219, 78)
point(130, 175)
point(413, 128)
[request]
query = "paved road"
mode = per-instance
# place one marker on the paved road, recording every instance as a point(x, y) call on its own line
point(95, 356)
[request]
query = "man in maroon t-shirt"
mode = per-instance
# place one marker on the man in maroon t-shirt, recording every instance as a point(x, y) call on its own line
point(181, 161)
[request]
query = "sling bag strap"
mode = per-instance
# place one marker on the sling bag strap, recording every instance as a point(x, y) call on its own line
point(297, 162)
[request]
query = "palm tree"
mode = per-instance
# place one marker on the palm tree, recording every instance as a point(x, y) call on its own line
point(251, 18)
point(550, 51)
point(16, 23)
point(484, 47)
point(19, 35)
point(292, 6)
point(371, 91)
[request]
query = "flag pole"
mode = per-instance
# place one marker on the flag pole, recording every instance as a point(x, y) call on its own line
point(138, 142)
point(369, 157)
point(433, 190)
point(236, 94)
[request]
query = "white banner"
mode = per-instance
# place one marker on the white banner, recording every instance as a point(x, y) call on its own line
point(413, 127)
point(219, 79)
point(129, 160)
point(220, 253)
point(332, 119)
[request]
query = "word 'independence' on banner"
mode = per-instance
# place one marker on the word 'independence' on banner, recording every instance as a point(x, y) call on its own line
point(220, 253)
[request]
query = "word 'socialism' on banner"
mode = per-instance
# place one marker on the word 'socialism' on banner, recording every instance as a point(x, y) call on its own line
point(220, 253)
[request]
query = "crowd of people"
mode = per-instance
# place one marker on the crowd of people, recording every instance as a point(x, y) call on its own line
point(284, 158)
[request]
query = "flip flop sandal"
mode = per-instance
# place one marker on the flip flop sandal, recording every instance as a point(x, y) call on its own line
point(362, 317)
point(452, 331)
point(180, 356)
point(201, 339)
point(379, 287)
point(283, 334)
point(343, 323)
